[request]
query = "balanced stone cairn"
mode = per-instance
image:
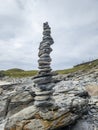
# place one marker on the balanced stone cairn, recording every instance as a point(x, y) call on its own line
point(43, 81)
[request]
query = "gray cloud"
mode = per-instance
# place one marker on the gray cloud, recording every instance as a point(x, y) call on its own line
point(74, 29)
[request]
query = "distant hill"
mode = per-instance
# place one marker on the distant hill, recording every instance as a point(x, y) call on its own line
point(15, 70)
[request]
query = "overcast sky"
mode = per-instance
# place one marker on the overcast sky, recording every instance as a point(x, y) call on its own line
point(74, 25)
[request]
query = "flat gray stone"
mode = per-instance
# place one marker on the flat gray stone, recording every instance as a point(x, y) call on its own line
point(41, 52)
point(44, 67)
point(43, 104)
point(47, 59)
point(44, 46)
point(45, 70)
point(44, 87)
point(42, 98)
point(39, 93)
point(45, 55)
point(41, 63)
point(42, 80)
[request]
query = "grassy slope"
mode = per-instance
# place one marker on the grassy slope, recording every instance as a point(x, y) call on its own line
point(81, 67)
point(19, 73)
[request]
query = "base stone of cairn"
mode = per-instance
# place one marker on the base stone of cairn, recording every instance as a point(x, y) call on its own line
point(43, 81)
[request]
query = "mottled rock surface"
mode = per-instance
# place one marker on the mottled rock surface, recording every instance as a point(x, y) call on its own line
point(67, 93)
point(69, 107)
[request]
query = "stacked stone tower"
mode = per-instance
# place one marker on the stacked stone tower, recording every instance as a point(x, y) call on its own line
point(44, 51)
point(43, 81)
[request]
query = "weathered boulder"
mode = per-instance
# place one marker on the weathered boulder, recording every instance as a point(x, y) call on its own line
point(92, 90)
point(14, 98)
point(19, 101)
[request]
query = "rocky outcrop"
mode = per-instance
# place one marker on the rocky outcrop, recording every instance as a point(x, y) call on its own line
point(14, 98)
point(66, 95)
point(69, 107)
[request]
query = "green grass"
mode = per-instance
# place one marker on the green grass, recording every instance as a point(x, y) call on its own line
point(19, 73)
